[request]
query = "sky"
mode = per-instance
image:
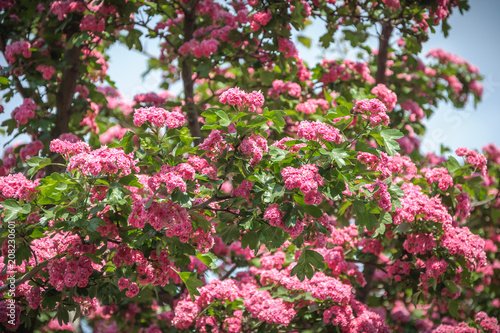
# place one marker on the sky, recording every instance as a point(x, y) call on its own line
point(473, 36)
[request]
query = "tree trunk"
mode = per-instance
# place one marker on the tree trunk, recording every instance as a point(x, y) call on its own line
point(66, 92)
point(187, 77)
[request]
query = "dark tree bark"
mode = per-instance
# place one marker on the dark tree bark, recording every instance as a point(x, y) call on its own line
point(66, 92)
point(187, 76)
point(382, 52)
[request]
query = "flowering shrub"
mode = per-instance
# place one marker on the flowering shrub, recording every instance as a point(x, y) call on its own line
point(269, 195)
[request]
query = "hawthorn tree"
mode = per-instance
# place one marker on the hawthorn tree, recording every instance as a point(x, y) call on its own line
point(271, 194)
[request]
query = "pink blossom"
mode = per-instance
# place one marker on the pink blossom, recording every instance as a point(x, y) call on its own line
point(92, 23)
point(373, 110)
point(47, 71)
point(254, 146)
point(461, 241)
point(439, 175)
point(386, 95)
point(240, 99)
point(17, 186)
point(103, 160)
point(158, 117)
point(319, 131)
point(69, 148)
point(22, 113)
point(20, 47)
point(478, 160)
point(419, 243)
point(30, 150)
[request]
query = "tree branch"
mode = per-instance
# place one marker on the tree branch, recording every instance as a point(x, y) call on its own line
point(382, 51)
point(25, 277)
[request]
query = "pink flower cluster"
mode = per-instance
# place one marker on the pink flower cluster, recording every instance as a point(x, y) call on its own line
point(419, 243)
point(159, 215)
point(307, 180)
point(20, 47)
point(69, 148)
point(440, 176)
point(22, 113)
point(382, 194)
point(30, 150)
point(392, 4)
point(92, 23)
point(488, 324)
point(454, 83)
point(172, 177)
point(47, 71)
point(386, 95)
point(202, 166)
point(389, 165)
point(240, 99)
point(416, 206)
point(416, 111)
point(153, 98)
point(243, 190)
point(478, 160)
point(113, 133)
point(260, 18)
point(311, 105)
point(446, 57)
point(355, 318)
point(294, 148)
point(206, 48)
point(70, 273)
point(264, 308)
point(464, 206)
point(103, 160)
point(254, 146)
point(318, 131)
point(345, 71)
point(17, 186)
point(373, 110)
point(279, 88)
point(214, 144)
point(62, 8)
point(158, 117)
point(461, 241)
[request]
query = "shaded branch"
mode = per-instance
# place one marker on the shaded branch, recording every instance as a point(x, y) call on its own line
point(25, 277)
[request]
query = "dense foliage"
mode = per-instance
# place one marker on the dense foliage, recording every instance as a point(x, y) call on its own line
point(271, 195)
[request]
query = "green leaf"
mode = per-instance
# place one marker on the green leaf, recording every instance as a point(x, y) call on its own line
point(388, 137)
point(452, 164)
point(4, 80)
point(274, 190)
point(453, 307)
point(127, 142)
point(223, 118)
point(208, 259)
point(11, 209)
point(451, 286)
point(306, 41)
point(192, 283)
point(363, 215)
point(115, 195)
point(230, 233)
point(314, 211)
point(338, 112)
point(130, 180)
point(277, 117)
point(37, 163)
point(306, 263)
